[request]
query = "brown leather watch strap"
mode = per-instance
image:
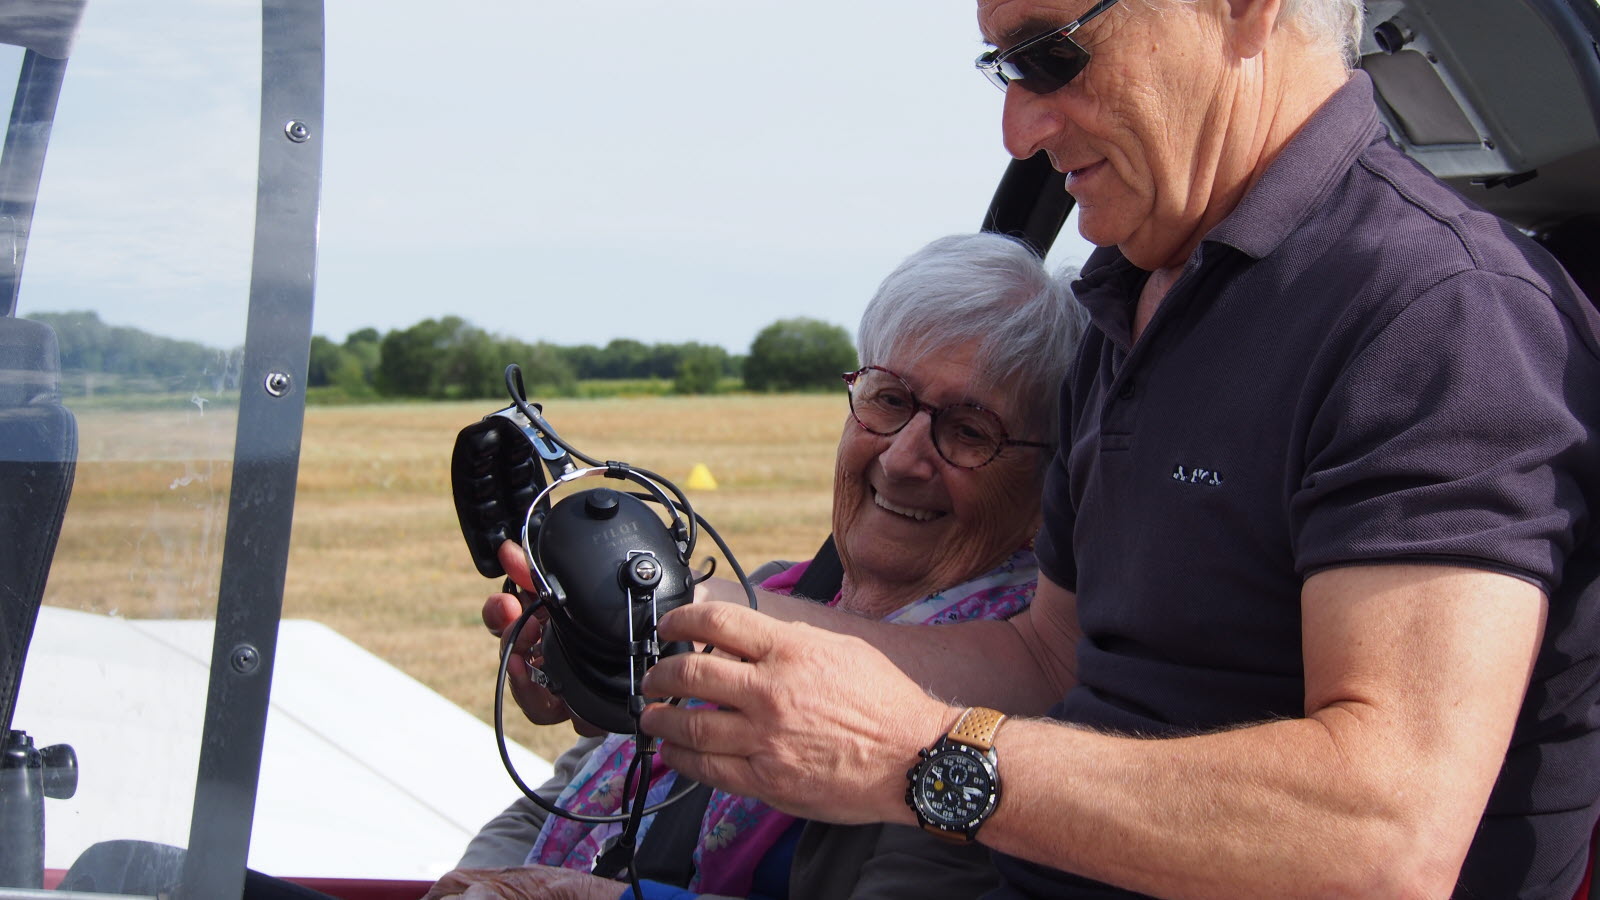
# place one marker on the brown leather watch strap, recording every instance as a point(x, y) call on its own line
point(977, 727)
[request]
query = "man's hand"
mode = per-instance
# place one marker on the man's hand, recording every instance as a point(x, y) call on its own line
point(523, 883)
point(818, 724)
point(500, 612)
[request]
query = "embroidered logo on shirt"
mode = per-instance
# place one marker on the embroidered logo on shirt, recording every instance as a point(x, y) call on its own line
point(1196, 475)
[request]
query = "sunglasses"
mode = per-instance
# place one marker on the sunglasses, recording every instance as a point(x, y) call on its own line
point(965, 435)
point(1043, 63)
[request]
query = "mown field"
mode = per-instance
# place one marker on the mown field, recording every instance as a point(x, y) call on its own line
point(376, 552)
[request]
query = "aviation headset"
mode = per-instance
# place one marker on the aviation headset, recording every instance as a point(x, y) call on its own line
point(605, 569)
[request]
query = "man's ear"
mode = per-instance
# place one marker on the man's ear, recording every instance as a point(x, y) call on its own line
point(1249, 24)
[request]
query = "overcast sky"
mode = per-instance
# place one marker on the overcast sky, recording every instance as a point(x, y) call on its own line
point(571, 172)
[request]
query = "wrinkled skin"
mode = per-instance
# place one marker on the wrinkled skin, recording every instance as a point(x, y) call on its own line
point(908, 523)
point(818, 724)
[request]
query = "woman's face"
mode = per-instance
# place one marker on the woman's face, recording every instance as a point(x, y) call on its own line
point(906, 522)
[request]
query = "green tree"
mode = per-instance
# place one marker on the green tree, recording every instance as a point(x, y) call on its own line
point(699, 369)
point(414, 362)
point(366, 347)
point(798, 354)
point(150, 361)
point(449, 359)
point(545, 369)
point(585, 360)
point(625, 358)
point(326, 357)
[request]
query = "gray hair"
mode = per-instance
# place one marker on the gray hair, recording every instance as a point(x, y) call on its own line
point(1333, 23)
point(988, 288)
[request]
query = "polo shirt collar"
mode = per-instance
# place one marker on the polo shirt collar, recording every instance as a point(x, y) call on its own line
point(1295, 183)
point(1107, 288)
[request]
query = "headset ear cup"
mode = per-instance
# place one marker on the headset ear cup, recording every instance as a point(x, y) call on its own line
point(595, 692)
point(588, 538)
point(495, 477)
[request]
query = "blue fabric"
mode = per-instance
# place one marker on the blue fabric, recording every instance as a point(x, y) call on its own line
point(655, 890)
point(771, 879)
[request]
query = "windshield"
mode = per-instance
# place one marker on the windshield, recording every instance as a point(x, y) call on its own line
point(138, 261)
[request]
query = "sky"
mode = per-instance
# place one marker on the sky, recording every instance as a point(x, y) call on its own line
point(662, 170)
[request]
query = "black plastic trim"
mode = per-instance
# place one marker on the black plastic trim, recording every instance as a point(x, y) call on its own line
point(1576, 24)
point(33, 113)
point(1030, 203)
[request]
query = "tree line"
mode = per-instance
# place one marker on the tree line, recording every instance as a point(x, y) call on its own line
point(449, 358)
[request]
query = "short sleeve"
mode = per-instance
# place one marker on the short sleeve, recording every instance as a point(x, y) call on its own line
point(1459, 430)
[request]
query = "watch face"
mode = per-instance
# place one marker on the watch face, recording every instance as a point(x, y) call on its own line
point(955, 787)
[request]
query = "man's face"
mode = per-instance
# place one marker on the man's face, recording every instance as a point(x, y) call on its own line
point(1138, 132)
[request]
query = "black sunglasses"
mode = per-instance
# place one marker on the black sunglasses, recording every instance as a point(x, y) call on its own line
point(1043, 63)
point(965, 435)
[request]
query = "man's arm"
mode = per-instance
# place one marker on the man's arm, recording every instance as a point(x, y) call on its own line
point(958, 662)
point(952, 661)
point(1414, 675)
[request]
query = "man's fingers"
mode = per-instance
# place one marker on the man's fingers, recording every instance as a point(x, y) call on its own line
point(737, 629)
point(702, 676)
point(704, 730)
point(729, 773)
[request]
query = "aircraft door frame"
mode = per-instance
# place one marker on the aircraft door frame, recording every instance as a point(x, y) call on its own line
point(267, 447)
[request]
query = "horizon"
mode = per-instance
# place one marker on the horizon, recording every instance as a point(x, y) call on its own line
point(487, 162)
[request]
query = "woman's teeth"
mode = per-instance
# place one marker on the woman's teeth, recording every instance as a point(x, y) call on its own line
point(921, 515)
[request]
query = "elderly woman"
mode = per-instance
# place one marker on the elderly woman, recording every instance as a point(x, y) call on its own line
point(935, 502)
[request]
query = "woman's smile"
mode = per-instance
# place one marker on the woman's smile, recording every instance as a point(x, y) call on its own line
point(909, 512)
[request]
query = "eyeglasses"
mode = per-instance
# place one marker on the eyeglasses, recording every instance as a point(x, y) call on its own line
point(1043, 63)
point(966, 435)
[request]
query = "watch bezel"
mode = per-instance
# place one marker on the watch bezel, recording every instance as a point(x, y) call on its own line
point(946, 747)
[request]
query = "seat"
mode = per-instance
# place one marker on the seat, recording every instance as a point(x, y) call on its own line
point(38, 458)
point(38, 436)
point(1573, 244)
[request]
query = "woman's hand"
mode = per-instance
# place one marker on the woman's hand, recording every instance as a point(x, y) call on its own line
point(500, 612)
point(523, 883)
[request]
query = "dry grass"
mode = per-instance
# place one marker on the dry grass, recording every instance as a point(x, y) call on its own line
point(376, 552)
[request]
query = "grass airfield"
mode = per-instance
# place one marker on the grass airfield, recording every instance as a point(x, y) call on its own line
point(376, 552)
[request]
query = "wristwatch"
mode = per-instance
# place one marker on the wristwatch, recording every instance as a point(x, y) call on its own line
point(955, 786)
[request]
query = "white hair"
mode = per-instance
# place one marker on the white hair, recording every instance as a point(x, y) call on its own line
point(990, 289)
point(1333, 23)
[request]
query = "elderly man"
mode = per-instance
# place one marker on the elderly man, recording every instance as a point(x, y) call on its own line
point(1321, 613)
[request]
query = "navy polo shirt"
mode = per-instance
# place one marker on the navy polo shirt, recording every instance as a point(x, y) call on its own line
point(1356, 366)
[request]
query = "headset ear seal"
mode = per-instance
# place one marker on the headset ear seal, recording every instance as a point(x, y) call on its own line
point(495, 475)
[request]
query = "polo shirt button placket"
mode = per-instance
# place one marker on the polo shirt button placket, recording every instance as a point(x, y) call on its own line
point(1116, 431)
